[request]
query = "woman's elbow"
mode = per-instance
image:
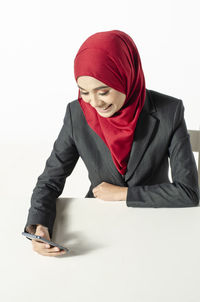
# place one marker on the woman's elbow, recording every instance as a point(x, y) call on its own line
point(189, 195)
point(195, 200)
point(192, 197)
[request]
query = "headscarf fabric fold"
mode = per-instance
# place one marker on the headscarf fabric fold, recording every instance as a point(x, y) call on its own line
point(112, 58)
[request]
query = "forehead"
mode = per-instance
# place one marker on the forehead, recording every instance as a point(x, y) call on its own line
point(89, 83)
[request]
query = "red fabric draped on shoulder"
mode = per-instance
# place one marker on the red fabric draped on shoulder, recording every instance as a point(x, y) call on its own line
point(112, 58)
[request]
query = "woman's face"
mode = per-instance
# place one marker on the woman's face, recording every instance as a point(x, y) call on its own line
point(104, 99)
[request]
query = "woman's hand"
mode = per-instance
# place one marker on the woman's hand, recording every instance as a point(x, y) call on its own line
point(44, 248)
point(107, 191)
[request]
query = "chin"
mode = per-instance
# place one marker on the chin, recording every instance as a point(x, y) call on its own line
point(109, 114)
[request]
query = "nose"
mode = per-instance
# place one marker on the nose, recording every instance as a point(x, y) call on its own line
point(94, 102)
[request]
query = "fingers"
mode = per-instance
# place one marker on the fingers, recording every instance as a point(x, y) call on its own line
point(54, 254)
point(42, 231)
point(42, 249)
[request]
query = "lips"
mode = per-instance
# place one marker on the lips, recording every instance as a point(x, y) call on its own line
point(103, 110)
point(105, 107)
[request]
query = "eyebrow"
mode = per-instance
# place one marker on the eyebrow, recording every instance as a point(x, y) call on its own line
point(100, 87)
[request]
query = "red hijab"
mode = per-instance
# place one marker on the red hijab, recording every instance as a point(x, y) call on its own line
point(112, 58)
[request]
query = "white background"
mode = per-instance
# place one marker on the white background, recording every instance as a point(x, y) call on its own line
point(38, 42)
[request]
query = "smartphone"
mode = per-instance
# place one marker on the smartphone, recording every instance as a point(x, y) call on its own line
point(39, 238)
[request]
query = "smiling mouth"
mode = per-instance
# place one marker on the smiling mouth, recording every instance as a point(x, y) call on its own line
point(104, 109)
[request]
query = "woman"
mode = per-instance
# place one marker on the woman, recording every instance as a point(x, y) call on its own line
point(123, 132)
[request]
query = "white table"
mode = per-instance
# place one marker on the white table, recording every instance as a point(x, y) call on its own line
point(117, 254)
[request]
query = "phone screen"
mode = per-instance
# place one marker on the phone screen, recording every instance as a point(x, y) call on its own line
point(39, 238)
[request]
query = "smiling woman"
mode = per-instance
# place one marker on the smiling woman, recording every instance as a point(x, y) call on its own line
point(110, 59)
point(124, 133)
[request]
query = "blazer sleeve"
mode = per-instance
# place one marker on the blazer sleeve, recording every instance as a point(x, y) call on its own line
point(50, 183)
point(184, 190)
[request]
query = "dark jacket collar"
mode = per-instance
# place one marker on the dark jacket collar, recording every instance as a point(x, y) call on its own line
point(144, 133)
point(149, 106)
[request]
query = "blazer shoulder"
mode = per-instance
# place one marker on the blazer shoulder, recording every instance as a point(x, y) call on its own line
point(76, 112)
point(162, 98)
point(164, 103)
point(74, 107)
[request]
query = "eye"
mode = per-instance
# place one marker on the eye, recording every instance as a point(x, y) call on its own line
point(104, 93)
point(84, 93)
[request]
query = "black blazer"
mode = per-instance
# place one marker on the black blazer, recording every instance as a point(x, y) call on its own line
point(160, 134)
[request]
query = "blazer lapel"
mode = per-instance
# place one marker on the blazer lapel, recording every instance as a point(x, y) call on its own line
point(144, 133)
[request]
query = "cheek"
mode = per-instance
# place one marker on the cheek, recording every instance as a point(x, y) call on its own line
point(122, 99)
point(118, 100)
point(84, 98)
point(112, 100)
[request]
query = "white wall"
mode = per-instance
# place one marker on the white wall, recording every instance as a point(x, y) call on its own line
point(38, 43)
point(39, 40)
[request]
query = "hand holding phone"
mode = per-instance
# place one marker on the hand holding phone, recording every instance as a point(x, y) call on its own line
point(43, 245)
point(42, 239)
